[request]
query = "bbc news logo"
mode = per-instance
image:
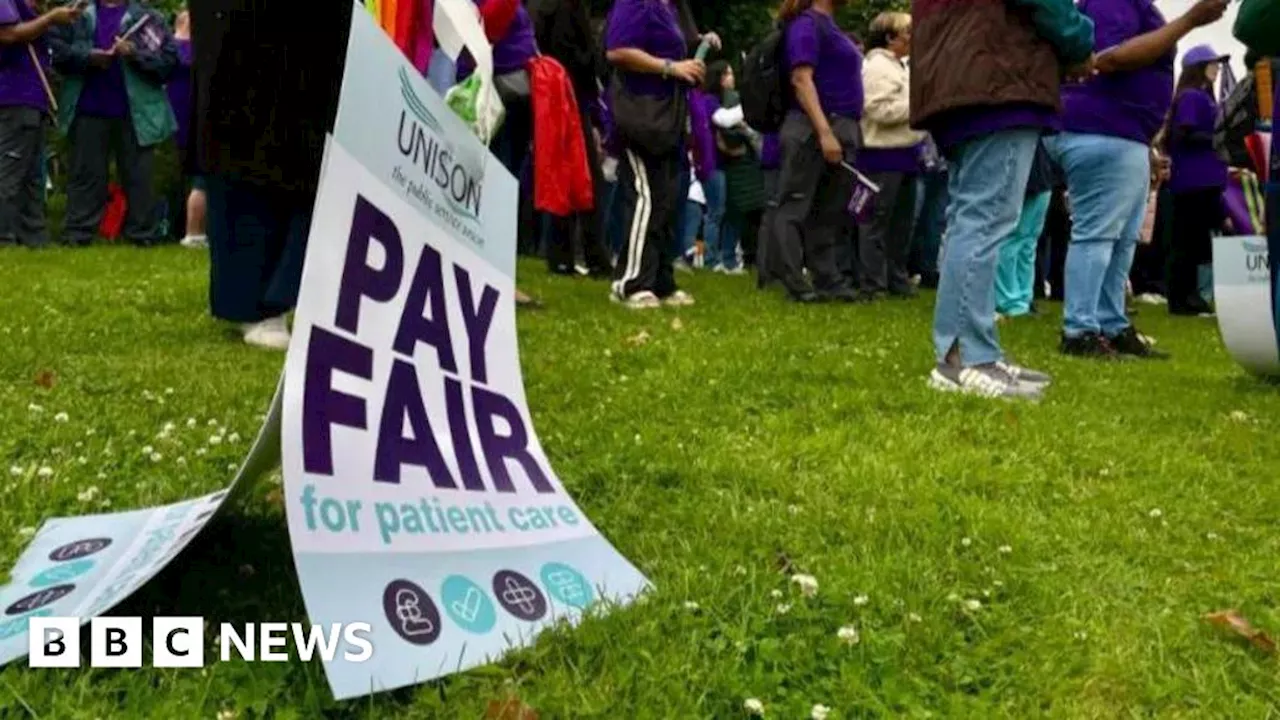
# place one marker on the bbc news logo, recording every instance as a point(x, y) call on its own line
point(178, 642)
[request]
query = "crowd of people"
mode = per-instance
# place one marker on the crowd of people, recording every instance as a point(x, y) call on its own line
point(1009, 152)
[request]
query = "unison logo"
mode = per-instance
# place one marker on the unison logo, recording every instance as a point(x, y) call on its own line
point(421, 141)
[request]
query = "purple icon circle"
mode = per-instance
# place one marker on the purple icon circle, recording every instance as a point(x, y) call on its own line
point(411, 612)
point(39, 599)
point(519, 595)
point(79, 549)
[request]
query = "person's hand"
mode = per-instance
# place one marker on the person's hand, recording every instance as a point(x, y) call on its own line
point(66, 14)
point(1206, 11)
point(101, 59)
point(1161, 166)
point(832, 151)
point(122, 47)
point(1081, 72)
point(689, 71)
point(712, 39)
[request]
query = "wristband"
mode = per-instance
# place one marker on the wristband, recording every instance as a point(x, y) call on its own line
point(666, 70)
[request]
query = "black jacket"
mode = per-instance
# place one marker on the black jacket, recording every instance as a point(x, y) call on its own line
point(563, 28)
point(266, 79)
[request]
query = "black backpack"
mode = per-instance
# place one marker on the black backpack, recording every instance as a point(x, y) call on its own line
point(1238, 120)
point(766, 84)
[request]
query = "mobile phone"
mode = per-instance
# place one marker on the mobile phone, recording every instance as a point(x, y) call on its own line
point(703, 48)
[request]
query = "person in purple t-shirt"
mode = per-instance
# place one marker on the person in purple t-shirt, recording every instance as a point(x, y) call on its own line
point(647, 42)
point(24, 104)
point(819, 136)
point(1198, 179)
point(1109, 124)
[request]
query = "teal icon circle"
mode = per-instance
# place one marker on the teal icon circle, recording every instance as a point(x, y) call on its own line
point(18, 625)
point(64, 572)
point(566, 584)
point(468, 605)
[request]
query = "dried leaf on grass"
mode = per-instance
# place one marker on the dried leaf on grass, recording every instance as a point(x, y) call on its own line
point(1233, 621)
point(46, 379)
point(785, 566)
point(509, 709)
point(639, 339)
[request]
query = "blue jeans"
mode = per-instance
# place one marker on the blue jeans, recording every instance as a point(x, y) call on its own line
point(1108, 179)
point(691, 217)
point(719, 238)
point(987, 183)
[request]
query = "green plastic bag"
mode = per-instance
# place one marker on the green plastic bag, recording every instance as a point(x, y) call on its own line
point(478, 106)
point(1258, 26)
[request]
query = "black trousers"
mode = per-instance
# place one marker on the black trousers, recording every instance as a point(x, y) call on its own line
point(94, 143)
point(1196, 215)
point(1150, 262)
point(884, 244)
point(582, 234)
point(22, 214)
point(649, 190)
point(810, 218)
point(1058, 228)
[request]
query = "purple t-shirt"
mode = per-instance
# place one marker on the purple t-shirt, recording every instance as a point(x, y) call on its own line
point(1130, 105)
point(1196, 165)
point(19, 82)
point(814, 40)
point(652, 26)
point(179, 90)
point(104, 93)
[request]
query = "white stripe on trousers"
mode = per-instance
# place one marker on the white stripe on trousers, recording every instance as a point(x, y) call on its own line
point(639, 224)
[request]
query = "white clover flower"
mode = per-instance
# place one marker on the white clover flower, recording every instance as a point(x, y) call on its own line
point(973, 605)
point(753, 707)
point(1239, 416)
point(233, 437)
point(26, 532)
point(147, 450)
point(692, 606)
point(181, 461)
point(808, 584)
point(212, 423)
point(739, 570)
point(90, 432)
point(848, 635)
point(156, 457)
point(201, 451)
point(34, 408)
point(226, 715)
point(168, 391)
point(61, 417)
point(966, 542)
point(191, 422)
point(793, 509)
point(1005, 549)
point(913, 617)
point(782, 608)
point(82, 460)
point(1156, 512)
point(775, 594)
point(1211, 536)
point(232, 467)
point(16, 470)
point(819, 712)
point(952, 597)
point(45, 471)
point(215, 440)
point(861, 600)
point(89, 494)
point(102, 476)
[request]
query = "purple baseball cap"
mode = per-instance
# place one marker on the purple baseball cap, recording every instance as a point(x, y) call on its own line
point(1201, 55)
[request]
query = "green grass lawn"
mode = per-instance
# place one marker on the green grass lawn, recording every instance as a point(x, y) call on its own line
point(997, 560)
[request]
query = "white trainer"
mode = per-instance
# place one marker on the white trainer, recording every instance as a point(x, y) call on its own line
point(271, 334)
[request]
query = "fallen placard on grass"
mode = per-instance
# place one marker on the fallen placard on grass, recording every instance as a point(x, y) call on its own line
point(85, 565)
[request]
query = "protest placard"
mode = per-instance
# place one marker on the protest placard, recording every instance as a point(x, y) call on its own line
point(1242, 295)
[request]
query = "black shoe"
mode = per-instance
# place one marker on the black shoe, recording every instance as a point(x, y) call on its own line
point(844, 295)
point(1130, 342)
point(1089, 345)
point(929, 280)
point(1191, 307)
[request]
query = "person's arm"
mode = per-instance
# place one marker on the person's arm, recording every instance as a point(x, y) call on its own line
point(886, 102)
point(1147, 48)
point(1063, 26)
point(69, 56)
point(15, 32)
point(807, 96)
point(157, 64)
